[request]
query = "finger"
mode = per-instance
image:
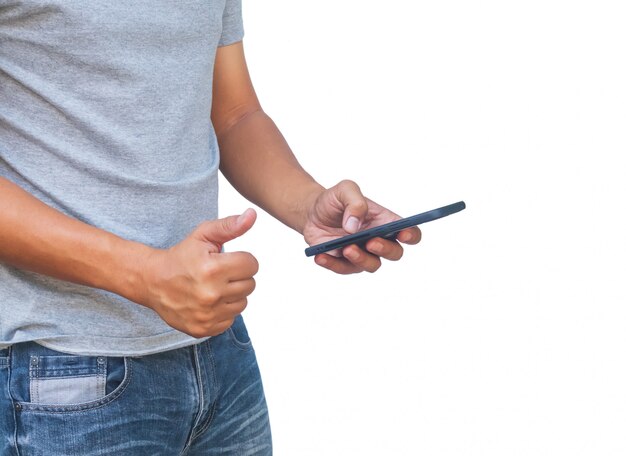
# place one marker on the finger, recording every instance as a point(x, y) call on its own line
point(389, 250)
point(362, 259)
point(239, 290)
point(355, 204)
point(238, 306)
point(227, 309)
point(225, 229)
point(337, 265)
point(224, 311)
point(410, 235)
point(240, 265)
point(220, 327)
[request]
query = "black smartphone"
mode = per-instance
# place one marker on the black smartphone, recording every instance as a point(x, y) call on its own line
point(387, 231)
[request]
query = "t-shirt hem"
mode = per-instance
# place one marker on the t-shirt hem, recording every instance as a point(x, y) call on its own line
point(231, 38)
point(108, 346)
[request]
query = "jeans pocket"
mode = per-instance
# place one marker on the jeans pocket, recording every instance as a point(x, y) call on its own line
point(64, 380)
point(45, 380)
point(238, 334)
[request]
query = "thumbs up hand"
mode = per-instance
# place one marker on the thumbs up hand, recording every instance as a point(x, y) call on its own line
point(196, 288)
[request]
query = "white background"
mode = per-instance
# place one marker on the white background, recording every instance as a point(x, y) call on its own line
point(504, 331)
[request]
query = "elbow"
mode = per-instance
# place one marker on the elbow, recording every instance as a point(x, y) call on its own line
point(236, 116)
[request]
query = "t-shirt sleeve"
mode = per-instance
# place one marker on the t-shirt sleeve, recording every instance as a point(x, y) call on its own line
point(232, 23)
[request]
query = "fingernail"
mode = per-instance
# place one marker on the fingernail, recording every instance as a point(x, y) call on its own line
point(322, 261)
point(377, 246)
point(242, 216)
point(352, 254)
point(352, 224)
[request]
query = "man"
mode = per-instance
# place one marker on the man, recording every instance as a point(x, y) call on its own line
point(120, 326)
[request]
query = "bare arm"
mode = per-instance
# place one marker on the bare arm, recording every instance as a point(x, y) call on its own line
point(36, 237)
point(192, 286)
point(257, 160)
point(255, 157)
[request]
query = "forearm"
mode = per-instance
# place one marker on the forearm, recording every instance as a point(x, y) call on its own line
point(38, 238)
point(257, 161)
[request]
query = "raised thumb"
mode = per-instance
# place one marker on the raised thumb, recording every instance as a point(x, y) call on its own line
point(225, 229)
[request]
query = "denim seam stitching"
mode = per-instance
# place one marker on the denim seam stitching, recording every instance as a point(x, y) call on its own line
point(55, 377)
point(207, 423)
point(209, 419)
point(192, 434)
point(15, 446)
point(83, 408)
point(33, 374)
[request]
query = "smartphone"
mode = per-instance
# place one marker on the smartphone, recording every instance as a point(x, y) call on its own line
point(387, 231)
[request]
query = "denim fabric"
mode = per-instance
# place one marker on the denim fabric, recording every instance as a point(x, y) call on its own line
point(205, 399)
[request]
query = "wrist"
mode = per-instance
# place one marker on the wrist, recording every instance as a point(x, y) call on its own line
point(305, 205)
point(131, 279)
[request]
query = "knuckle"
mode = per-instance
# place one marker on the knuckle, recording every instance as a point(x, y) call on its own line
point(209, 268)
point(204, 316)
point(226, 224)
point(359, 205)
point(209, 297)
point(347, 183)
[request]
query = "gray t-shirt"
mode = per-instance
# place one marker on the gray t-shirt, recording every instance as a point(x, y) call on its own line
point(105, 116)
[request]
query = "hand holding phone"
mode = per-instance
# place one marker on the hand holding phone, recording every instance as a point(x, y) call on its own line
point(387, 231)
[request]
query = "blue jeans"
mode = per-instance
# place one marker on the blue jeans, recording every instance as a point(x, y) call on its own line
point(206, 399)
